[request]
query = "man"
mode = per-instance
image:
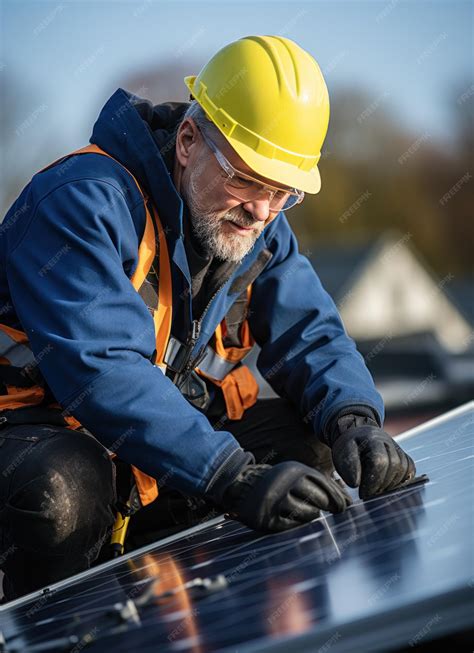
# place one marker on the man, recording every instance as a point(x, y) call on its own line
point(136, 275)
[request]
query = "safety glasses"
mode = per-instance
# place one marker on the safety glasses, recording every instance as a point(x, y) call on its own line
point(247, 189)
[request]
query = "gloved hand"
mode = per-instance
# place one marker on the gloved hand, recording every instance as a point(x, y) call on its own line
point(286, 495)
point(367, 457)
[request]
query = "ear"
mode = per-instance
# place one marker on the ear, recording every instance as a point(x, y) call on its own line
point(186, 141)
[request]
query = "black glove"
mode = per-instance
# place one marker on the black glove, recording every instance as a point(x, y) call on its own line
point(366, 456)
point(274, 498)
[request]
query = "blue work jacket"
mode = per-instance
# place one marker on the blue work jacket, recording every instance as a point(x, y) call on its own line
point(69, 245)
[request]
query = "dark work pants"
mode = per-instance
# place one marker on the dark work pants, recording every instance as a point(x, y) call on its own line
point(58, 490)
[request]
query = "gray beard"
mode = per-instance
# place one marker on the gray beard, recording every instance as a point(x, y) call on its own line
point(208, 226)
point(209, 229)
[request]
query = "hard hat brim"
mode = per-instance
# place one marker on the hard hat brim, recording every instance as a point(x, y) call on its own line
point(280, 172)
point(308, 181)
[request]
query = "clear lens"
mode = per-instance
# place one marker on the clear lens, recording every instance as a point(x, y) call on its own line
point(292, 200)
point(246, 189)
point(280, 201)
point(240, 182)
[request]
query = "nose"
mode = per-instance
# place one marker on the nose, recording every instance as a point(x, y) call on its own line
point(258, 208)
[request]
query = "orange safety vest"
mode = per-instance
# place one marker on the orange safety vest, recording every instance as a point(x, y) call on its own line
point(24, 385)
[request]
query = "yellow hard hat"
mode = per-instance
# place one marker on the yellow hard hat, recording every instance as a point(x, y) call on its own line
point(268, 98)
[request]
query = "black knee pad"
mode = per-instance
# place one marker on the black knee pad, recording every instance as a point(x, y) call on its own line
point(62, 495)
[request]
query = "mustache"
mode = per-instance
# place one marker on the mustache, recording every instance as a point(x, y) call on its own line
point(243, 219)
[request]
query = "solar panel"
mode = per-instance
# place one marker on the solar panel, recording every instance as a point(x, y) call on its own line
point(394, 571)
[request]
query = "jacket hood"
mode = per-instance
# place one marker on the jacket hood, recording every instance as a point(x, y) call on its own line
point(141, 136)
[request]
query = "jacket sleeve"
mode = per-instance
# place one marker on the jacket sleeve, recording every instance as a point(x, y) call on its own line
point(306, 355)
point(93, 337)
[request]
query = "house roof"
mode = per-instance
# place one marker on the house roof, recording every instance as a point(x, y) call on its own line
point(339, 264)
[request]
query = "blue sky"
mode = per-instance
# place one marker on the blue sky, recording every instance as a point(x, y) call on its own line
point(69, 55)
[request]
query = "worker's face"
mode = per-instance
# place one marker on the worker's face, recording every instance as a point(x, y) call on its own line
point(226, 226)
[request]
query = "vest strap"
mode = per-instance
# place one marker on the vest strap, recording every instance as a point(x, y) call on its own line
point(240, 390)
point(215, 366)
point(19, 355)
point(211, 363)
point(146, 485)
point(176, 355)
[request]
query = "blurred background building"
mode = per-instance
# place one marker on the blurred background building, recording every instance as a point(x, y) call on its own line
point(390, 233)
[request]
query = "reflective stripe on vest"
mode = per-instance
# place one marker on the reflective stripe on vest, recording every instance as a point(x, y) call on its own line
point(17, 354)
point(214, 366)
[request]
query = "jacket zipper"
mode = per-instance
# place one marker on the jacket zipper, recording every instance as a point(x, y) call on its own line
point(196, 331)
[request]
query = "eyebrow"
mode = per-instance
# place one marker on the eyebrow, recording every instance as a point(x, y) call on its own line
point(252, 173)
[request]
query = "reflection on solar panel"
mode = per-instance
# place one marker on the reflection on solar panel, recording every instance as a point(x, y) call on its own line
point(393, 571)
